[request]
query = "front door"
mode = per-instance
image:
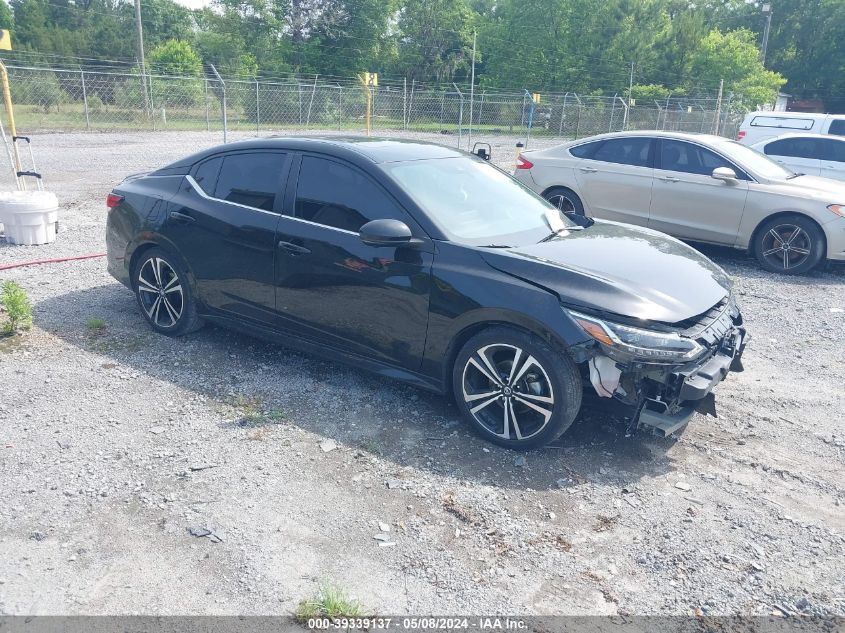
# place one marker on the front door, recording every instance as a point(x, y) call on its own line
point(223, 221)
point(801, 154)
point(336, 290)
point(616, 182)
point(833, 158)
point(688, 202)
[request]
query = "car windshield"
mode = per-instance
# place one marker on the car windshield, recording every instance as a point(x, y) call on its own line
point(754, 161)
point(474, 203)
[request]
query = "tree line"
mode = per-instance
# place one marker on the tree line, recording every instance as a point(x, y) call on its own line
point(664, 47)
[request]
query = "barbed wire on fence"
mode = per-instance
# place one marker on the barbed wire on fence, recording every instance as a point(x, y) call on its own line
point(56, 99)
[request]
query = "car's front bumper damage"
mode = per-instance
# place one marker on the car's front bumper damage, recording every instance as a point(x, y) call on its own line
point(663, 398)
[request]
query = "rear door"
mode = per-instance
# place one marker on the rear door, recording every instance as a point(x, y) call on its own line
point(223, 221)
point(688, 202)
point(833, 158)
point(800, 154)
point(616, 180)
point(336, 290)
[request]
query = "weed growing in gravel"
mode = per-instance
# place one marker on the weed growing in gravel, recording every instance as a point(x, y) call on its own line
point(371, 446)
point(95, 324)
point(330, 602)
point(253, 413)
point(17, 307)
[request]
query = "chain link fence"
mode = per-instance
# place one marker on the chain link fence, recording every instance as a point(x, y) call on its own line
point(48, 99)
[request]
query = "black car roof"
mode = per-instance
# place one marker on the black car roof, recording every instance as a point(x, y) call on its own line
point(376, 150)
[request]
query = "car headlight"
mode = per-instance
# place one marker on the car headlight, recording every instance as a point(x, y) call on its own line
point(624, 343)
point(838, 209)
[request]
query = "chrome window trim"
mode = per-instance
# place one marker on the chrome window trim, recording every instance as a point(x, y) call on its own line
point(202, 194)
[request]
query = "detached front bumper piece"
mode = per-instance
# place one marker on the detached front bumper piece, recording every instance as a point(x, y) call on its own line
point(689, 391)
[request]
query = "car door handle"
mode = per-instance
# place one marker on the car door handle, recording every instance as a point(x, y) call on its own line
point(670, 179)
point(294, 249)
point(184, 218)
point(588, 170)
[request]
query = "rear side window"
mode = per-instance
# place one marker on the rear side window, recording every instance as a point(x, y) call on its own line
point(692, 159)
point(837, 126)
point(833, 150)
point(795, 148)
point(634, 150)
point(782, 122)
point(341, 197)
point(586, 150)
point(206, 174)
point(251, 179)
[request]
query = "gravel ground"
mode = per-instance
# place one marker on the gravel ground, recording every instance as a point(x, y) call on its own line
point(116, 443)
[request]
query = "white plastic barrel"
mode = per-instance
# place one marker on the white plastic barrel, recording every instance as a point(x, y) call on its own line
point(29, 217)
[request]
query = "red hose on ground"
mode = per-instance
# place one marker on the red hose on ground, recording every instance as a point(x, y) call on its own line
point(36, 262)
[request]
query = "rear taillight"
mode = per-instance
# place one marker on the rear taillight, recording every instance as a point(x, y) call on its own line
point(740, 135)
point(523, 163)
point(113, 200)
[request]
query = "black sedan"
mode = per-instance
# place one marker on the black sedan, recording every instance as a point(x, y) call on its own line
point(430, 265)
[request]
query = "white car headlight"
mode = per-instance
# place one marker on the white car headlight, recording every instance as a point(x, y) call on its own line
point(624, 343)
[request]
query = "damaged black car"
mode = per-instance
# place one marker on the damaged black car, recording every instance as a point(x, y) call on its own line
point(429, 265)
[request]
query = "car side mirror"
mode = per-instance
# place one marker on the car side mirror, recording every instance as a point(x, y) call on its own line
point(385, 233)
point(725, 174)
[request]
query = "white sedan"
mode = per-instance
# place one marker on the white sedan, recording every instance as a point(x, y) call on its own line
point(813, 154)
point(696, 187)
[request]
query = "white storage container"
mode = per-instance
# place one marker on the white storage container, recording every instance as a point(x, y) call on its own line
point(29, 217)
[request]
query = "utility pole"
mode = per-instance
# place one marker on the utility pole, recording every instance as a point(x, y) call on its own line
point(630, 97)
point(767, 11)
point(140, 32)
point(718, 118)
point(471, 92)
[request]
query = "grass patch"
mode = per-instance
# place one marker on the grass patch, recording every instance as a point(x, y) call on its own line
point(17, 307)
point(253, 413)
point(95, 324)
point(330, 602)
point(371, 445)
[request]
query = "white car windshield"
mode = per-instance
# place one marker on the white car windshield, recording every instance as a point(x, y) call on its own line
point(474, 203)
point(754, 161)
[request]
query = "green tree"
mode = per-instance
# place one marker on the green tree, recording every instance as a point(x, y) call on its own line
point(175, 57)
point(734, 57)
point(7, 19)
point(435, 38)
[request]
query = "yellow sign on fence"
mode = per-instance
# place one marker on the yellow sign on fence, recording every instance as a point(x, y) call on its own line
point(535, 97)
point(5, 40)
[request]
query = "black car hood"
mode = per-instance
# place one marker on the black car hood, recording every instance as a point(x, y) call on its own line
point(621, 269)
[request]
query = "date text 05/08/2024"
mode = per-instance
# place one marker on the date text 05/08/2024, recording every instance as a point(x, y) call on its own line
point(491, 623)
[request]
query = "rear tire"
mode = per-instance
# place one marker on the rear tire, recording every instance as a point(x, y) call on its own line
point(514, 389)
point(789, 244)
point(565, 200)
point(164, 293)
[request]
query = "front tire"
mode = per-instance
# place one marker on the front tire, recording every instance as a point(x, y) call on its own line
point(789, 244)
point(164, 294)
point(514, 389)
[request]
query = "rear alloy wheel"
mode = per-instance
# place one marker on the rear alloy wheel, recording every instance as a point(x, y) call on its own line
point(163, 293)
point(789, 244)
point(565, 200)
point(515, 390)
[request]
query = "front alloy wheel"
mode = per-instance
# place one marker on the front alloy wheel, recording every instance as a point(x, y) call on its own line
point(516, 390)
